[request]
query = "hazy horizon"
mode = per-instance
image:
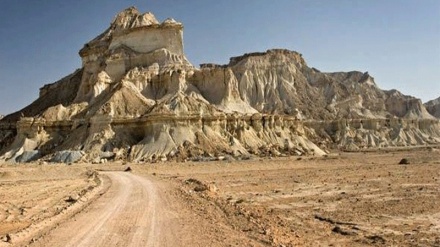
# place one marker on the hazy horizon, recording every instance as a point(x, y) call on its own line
point(396, 41)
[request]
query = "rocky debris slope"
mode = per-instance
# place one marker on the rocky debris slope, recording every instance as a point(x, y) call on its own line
point(357, 134)
point(57, 93)
point(137, 97)
point(433, 107)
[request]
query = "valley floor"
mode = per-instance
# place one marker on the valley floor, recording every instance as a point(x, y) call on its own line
point(343, 199)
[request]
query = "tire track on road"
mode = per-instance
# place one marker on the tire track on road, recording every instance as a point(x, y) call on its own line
point(129, 214)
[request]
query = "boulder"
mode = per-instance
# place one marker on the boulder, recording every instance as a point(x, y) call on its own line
point(28, 156)
point(404, 161)
point(67, 156)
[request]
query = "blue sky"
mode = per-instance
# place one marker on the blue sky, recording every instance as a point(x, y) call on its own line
point(396, 41)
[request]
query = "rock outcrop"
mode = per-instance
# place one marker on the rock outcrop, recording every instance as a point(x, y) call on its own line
point(138, 98)
point(358, 134)
point(433, 107)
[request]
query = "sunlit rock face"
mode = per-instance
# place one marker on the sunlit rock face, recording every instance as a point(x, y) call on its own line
point(138, 98)
point(132, 40)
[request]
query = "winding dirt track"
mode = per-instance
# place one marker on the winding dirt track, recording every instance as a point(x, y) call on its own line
point(130, 214)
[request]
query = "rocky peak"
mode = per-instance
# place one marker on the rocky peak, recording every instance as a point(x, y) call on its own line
point(278, 54)
point(433, 102)
point(367, 79)
point(126, 22)
point(131, 18)
point(353, 76)
point(132, 40)
point(433, 107)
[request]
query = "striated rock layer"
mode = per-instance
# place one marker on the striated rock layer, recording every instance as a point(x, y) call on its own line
point(138, 98)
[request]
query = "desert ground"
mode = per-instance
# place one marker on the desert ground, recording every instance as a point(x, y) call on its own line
point(342, 199)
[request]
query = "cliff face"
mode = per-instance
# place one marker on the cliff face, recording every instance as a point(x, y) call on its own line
point(132, 40)
point(280, 82)
point(273, 82)
point(138, 98)
point(433, 107)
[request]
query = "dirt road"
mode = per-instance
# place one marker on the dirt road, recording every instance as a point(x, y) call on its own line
point(345, 199)
point(130, 214)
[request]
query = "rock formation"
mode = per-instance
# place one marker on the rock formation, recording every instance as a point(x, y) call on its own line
point(433, 107)
point(138, 98)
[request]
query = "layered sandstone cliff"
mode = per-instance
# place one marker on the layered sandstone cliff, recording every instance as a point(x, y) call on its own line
point(137, 97)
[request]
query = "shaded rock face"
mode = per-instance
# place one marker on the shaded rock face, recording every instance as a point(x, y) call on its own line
point(67, 156)
point(137, 97)
point(27, 156)
point(433, 107)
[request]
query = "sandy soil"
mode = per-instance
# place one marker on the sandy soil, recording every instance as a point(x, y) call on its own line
point(347, 199)
point(34, 198)
point(130, 212)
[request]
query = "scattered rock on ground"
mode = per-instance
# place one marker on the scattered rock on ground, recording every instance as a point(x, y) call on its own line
point(28, 156)
point(404, 161)
point(67, 156)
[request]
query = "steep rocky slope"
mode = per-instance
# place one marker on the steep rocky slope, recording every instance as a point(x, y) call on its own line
point(433, 107)
point(57, 93)
point(137, 97)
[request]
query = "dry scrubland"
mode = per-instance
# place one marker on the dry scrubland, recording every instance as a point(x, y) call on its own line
point(346, 199)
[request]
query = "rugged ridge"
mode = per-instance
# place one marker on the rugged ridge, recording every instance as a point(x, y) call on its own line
point(433, 107)
point(137, 97)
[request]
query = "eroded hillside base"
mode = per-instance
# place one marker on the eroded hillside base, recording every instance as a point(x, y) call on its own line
point(361, 134)
point(193, 137)
point(162, 137)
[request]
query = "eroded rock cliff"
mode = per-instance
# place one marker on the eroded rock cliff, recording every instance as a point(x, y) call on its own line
point(433, 107)
point(138, 98)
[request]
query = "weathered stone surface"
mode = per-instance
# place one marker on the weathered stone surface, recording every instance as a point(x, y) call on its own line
point(356, 134)
point(433, 107)
point(137, 97)
point(132, 40)
point(67, 156)
point(28, 156)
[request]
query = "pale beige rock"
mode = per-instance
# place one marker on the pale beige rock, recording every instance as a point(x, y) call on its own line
point(139, 98)
point(132, 40)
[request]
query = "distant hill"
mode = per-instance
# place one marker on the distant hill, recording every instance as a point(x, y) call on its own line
point(433, 107)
